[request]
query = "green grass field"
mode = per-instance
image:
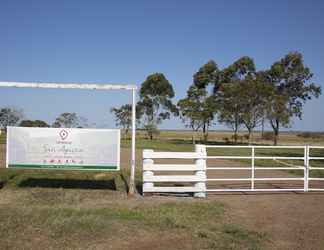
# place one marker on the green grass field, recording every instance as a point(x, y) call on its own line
point(90, 210)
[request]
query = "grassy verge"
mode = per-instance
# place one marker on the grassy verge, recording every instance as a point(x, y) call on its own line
point(53, 219)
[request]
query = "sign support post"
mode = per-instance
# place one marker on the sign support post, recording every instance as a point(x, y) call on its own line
point(133, 159)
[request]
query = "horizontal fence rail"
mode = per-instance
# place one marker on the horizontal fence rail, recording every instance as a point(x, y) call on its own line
point(199, 179)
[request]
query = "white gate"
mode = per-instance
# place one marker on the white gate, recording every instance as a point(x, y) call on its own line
point(202, 167)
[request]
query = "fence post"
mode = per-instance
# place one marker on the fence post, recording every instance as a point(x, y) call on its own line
point(201, 162)
point(147, 173)
point(306, 168)
point(252, 168)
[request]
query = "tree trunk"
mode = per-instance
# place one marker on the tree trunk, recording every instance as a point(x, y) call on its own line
point(276, 137)
point(193, 137)
point(205, 135)
point(276, 132)
point(250, 136)
point(235, 135)
point(262, 128)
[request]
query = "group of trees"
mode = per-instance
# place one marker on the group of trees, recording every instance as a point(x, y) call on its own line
point(237, 96)
point(13, 117)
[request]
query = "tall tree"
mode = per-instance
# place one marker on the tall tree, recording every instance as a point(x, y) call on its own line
point(207, 76)
point(290, 80)
point(155, 103)
point(230, 98)
point(70, 120)
point(197, 110)
point(10, 117)
point(229, 109)
point(254, 95)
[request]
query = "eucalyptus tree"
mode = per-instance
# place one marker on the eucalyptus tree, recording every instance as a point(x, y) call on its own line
point(197, 110)
point(290, 80)
point(232, 98)
point(155, 103)
point(205, 78)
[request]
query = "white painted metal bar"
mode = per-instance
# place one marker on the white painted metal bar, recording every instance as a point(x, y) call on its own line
point(306, 165)
point(257, 157)
point(237, 146)
point(133, 153)
point(279, 168)
point(257, 179)
point(228, 179)
point(173, 167)
point(228, 168)
point(68, 85)
point(173, 189)
point(316, 179)
point(256, 168)
point(315, 189)
point(229, 157)
point(318, 147)
point(174, 178)
point(257, 190)
point(252, 168)
point(319, 168)
point(316, 158)
point(171, 155)
point(279, 157)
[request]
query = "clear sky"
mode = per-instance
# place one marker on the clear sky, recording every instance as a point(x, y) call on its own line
point(124, 41)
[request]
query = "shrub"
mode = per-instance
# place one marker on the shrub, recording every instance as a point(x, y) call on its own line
point(268, 136)
point(311, 135)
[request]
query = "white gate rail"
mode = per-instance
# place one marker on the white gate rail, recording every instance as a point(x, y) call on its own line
point(253, 168)
point(310, 168)
point(199, 179)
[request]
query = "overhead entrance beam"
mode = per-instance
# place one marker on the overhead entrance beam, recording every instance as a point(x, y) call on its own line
point(90, 86)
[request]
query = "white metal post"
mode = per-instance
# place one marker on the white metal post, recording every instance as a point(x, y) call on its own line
point(201, 149)
point(133, 160)
point(306, 168)
point(252, 168)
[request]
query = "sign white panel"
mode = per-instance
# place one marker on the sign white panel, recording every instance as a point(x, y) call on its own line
point(63, 148)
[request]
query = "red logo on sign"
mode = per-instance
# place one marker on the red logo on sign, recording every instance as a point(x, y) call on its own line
point(63, 134)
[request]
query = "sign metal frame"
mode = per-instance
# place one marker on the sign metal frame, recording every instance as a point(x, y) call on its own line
point(91, 86)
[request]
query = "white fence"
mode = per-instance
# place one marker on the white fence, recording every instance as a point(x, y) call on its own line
point(198, 170)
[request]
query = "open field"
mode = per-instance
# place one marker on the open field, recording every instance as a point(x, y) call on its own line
point(90, 210)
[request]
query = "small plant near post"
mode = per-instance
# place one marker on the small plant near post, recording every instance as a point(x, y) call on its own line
point(201, 173)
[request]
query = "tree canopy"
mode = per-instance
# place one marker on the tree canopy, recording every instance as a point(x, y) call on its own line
point(70, 120)
point(155, 103)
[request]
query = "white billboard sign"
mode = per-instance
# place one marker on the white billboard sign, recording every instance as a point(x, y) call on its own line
point(63, 148)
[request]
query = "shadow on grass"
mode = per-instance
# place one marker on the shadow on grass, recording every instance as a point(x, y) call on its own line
point(68, 183)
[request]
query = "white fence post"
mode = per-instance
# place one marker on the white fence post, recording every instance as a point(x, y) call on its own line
point(252, 168)
point(306, 172)
point(201, 162)
point(147, 173)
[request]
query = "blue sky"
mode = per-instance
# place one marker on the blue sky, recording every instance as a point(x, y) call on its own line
point(124, 41)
